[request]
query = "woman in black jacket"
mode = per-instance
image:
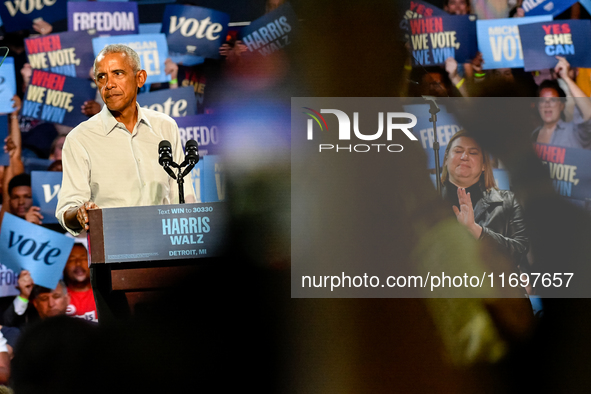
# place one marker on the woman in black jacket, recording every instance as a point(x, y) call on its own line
point(486, 211)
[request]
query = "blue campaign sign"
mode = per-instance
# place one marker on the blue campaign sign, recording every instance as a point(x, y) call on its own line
point(202, 128)
point(8, 282)
point(214, 183)
point(67, 53)
point(543, 41)
point(447, 126)
point(4, 158)
point(198, 180)
point(546, 7)
point(45, 186)
point(569, 169)
point(20, 14)
point(7, 86)
point(194, 30)
point(151, 48)
point(271, 32)
point(57, 98)
point(586, 4)
point(103, 19)
point(499, 42)
point(434, 39)
point(172, 102)
point(36, 164)
point(40, 251)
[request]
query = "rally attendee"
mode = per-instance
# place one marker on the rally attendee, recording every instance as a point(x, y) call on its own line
point(46, 302)
point(555, 131)
point(469, 185)
point(111, 160)
point(77, 279)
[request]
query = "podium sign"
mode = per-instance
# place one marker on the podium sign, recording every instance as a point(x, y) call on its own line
point(162, 232)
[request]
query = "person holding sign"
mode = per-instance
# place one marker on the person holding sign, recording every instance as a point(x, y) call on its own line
point(556, 131)
point(111, 160)
point(468, 184)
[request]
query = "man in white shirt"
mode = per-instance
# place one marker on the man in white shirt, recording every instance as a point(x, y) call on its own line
point(111, 160)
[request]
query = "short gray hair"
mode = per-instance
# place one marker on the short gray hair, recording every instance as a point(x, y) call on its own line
point(132, 55)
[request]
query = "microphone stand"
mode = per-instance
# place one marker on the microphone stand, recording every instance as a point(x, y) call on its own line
point(433, 110)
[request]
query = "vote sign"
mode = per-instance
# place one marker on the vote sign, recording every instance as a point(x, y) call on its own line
point(195, 30)
point(45, 186)
point(42, 252)
point(546, 7)
point(20, 14)
point(172, 102)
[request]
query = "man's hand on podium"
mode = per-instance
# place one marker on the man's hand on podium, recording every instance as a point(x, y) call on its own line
point(82, 214)
point(77, 218)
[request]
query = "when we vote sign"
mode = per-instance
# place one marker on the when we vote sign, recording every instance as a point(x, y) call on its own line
point(57, 98)
point(45, 186)
point(546, 7)
point(499, 41)
point(103, 18)
point(40, 251)
point(20, 14)
point(195, 30)
point(151, 48)
point(569, 170)
point(271, 32)
point(172, 102)
point(435, 39)
point(67, 53)
point(542, 42)
point(413, 9)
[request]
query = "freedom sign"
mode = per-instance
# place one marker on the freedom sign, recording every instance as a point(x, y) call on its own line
point(195, 30)
point(436, 38)
point(7, 86)
point(499, 41)
point(569, 170)
point(45, 186)
point(67, 53)
point(543, 41)
point(151, 48)
point(57, 98)
point(271, 32)
point(447, 126)
point(40, 251)
point(20, 14)
point(202, 128)
point(117, 18)
point(172, 102)
point(546, 7)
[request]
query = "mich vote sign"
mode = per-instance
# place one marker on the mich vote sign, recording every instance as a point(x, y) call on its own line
point(499, 41)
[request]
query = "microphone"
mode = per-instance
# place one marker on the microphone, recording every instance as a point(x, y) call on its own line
point(165, 157)
point(191, 156)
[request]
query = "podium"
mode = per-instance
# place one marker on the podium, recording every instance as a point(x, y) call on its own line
point(136, 253)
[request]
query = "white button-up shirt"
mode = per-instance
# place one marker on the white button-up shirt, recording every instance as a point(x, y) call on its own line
point(103, 162)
